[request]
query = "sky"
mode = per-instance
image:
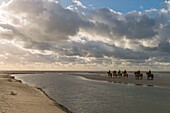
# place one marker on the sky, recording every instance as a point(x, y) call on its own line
point(85, 35)
point(119, 5)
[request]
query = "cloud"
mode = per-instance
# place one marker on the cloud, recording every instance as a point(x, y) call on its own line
point(42, 31)
point(133, 25)
point(78, 3)
point(45, 20)
point(164, 46)
point(99, 49)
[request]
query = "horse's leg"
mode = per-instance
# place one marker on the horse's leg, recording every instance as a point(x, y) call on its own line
point(148, 77)
point(108, 74)
point(116, 75)
point(141, 76)
point(152, 76)
point(126, 76)
point(113, 75)
point(136, 77)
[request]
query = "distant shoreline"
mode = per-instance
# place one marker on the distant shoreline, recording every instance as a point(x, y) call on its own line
point(55, 71)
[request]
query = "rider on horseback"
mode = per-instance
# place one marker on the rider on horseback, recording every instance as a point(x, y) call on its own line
point(119, 73)
point(125, 72)
point(150, 75)
point(109, 73)
point(149, 72)
point(138, 75)
point(114, 74)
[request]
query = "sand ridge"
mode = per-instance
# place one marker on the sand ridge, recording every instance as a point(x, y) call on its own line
point(16, 97)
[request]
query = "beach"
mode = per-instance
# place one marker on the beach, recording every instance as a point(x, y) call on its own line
point(16, 97)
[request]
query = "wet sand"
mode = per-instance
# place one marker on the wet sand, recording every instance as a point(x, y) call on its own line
point(16, 97)
point(162, 82)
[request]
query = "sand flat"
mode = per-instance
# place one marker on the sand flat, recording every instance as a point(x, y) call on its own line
point(16, 97)
point(162, 82)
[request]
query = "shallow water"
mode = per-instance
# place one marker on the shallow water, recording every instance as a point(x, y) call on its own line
point(88, 96)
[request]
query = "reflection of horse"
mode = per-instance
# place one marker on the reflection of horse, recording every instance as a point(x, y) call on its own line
point(109, 73)
point(138, 75)
point(149, 75)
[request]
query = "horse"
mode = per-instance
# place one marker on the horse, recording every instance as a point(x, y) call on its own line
point(109, 74)
point(119, 75)
point(149, 76)
point(125, 75)
point(114, 74)
point(138, 75)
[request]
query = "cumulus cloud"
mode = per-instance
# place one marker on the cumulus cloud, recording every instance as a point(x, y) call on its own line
point(42, 19)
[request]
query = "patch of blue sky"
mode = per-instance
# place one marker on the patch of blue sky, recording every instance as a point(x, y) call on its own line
point(119, 5)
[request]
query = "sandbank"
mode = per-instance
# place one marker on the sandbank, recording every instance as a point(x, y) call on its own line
point(157, 82)
point(16, 97)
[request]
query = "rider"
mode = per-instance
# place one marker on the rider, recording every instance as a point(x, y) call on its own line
point(125, 72)
point(149, 72)
point(114, 71)
point(109, 72)
point(138, 71)
point(119, 72)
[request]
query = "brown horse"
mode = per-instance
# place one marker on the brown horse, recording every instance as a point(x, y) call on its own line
point(149, 76)
point(138, 75)
point(125, 75)
point(119, 74)
point(114, 74)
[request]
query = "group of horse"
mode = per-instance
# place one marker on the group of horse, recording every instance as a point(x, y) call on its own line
point(114, 74)
point(138, 75)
